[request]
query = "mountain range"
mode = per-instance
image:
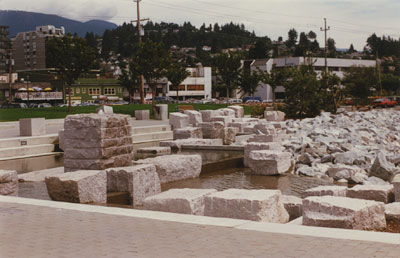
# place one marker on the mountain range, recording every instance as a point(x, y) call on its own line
point(20, 21)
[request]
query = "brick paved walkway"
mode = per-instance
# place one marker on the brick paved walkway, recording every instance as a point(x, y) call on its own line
point(37, 231)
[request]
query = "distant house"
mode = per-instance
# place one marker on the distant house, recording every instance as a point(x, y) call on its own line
point(336, 65)
point(29, 48)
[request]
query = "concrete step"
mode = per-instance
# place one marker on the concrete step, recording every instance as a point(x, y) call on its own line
point(151, 129)
point(26, 150)
point(150, 137)
point(28, 141)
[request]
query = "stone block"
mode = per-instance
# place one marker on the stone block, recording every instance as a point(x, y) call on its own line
point(332, 190)
point(343, 212)
point(61, 139)
point(8, 182)
point(379, 193)
point(155, 150)
point(212, 130)
point(104, 109)
point(266, 138)
point(95, 120)
point(195, 117)
point(239, 111)
point(142, 114)
point(177, 144)
point(252, 146)
point(85, 186)
point(97, 153)
point(175, 167)
point(239, 125)
point(226, 112)
point(140, 181)
point(32, 126)
point(99, 143)
point(268, 162)
point(256, 205)
point(396, 187)
point(392, 212)
point(224, 119)
point(96, 133)
point(293, 205)
point(186, 201)
point(275, 116)
point(230, 135)
point(383, 169)
point(161, 112)
point(124, 160)
point(187, 132)
point(206, 115)
point(267, 129)
point(178, 120)
point(40, 175)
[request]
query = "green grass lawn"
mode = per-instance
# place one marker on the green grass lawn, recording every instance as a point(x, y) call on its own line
point(62, 112)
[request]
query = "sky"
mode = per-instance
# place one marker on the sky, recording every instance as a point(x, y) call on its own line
point(350, 21)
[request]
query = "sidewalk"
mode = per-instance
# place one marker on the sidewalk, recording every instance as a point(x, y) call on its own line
point(33, 228)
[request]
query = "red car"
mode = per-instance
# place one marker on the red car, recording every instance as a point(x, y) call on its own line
point(383, 102)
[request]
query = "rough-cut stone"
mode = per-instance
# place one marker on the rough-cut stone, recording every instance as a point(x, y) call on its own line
point(293, 205)
point(392, 212)
point(140, 181)
point(266, 138)
point(178, 120)
point(252, 146)
point(175, 167)
point(186, 201)
point(379, 193)
point(267, 129)
point(226, 112)
point(61, 139)
point(40, 175)
point(239, 125)
point(267, 162)
point(274, 116)
point(85, 186)
point(142, 114)
point(155, 150)
point(97, 142)
point(195, 117)
point(206, 115)
point(305, 171)
point(239, 111)
point(396, 187)
point(340, 171)
point(256, 205)
point(104, 109)
point(224, 119)
point(383, 169)
point(32, 126)
point(8, 182)
point(177, 145)
point(188, 132)
point(333, 190)
point(342, 212)
point(212, 130)
point(161, 112)
point(230, 135)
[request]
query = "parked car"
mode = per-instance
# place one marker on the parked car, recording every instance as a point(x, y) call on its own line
point(246, 99)
point(44, 105)
point(33, 105)
point(14, 105)
point(235, 101)
point(384, 102)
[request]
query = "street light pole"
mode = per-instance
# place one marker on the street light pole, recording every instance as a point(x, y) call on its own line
point(27, 78)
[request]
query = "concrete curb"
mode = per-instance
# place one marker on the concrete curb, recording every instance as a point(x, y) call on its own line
point(333, 233)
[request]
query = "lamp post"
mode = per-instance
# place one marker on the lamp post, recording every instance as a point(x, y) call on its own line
point(27, 90)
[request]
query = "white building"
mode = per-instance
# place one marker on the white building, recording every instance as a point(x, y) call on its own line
point(336, 65)
point(196, 85)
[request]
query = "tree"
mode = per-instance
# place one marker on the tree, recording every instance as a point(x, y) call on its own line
point(303, 98)
point(248, 81)
point(228, 70)
point(261, 49)
point(176, 74)
point(331, 48)
point(276, 77)
point(390, 83)
point(71, 56)
point(360, 82)
point(292, 39)
point(351, 49)
point(152, 60)
point(129, 79)
point(331, 90)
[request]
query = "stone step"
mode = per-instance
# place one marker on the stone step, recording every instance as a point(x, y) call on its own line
point(155, 136)
point(151, 129)
point(28, 141)
point(26, 150)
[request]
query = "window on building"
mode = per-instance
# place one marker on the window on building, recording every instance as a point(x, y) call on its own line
point(181, 87)
point(77, 90)
point(84, 90)
point(119, 90)
point(195, 87)
point(94, 91)
point(109, 91)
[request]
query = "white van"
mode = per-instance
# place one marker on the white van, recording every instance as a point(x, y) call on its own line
point(235, 101)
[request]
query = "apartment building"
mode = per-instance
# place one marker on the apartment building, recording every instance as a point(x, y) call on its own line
point(30, 47)
point(4, 45)
point(336, 65)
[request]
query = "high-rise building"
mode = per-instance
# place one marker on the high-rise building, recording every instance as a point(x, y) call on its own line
point(4, 48)
point(30, 47)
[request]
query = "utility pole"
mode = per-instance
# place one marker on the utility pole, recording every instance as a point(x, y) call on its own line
point(10, 74)
point(141, 79)
point(325, 29)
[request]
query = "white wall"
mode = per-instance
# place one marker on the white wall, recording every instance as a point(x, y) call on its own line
point(203, 78)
